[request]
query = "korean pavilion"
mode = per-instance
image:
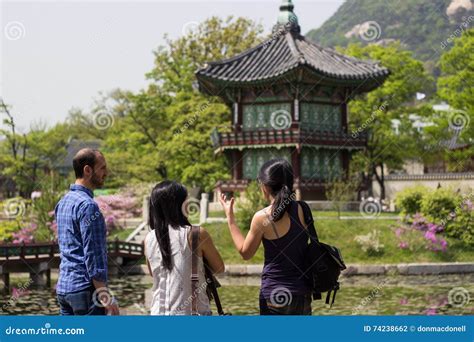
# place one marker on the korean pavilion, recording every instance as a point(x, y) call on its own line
point(289, 99)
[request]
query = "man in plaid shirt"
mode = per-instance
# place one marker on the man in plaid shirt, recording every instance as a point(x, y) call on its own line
point(82, 284)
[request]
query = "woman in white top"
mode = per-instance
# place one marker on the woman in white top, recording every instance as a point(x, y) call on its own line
point(169, 254)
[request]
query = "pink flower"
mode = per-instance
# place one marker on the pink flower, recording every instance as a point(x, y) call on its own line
point(404, 301)
point(431, 311)
point(398, 232)
point(403, 245)
point(430, 235)
point(17, 293)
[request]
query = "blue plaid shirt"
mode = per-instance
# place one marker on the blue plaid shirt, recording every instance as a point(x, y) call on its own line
point(82, 241)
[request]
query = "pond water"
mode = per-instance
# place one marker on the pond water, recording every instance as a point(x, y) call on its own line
point(374, 295)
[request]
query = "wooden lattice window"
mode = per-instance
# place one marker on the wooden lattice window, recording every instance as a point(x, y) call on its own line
point(319, 163)
point(254, 158)
point(266, 116)
point(321, 117)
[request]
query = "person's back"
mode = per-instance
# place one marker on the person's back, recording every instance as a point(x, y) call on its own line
point(82, 281)
point(73, 272)
point(284, 257)
point(172, 294)
point(281, 229)
point(169, 255)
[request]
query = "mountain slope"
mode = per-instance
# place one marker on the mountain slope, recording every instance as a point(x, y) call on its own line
point(423, 26)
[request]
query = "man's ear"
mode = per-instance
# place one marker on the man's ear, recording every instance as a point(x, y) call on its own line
point(87, 170)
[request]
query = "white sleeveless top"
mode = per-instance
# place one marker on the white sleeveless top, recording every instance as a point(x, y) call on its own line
point(172, 289)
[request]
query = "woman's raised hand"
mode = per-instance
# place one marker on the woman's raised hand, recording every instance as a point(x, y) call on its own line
point(228, 205)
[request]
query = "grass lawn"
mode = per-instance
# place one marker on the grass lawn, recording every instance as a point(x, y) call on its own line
point(341, 234)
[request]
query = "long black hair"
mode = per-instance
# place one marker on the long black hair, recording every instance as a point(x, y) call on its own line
point(277, 176)
point(166, 202)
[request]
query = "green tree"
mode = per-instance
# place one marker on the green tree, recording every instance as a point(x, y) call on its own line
point(26, 158)
point(456, 87)
point(375, 111)
point(165, 131)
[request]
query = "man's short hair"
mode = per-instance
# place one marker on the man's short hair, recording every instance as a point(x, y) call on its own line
point(86, 156)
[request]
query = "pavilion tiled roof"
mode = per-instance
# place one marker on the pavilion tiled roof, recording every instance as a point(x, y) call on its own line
point(285, 52)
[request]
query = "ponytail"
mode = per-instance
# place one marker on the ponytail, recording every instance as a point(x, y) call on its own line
point(277, 176)
point(282, 202)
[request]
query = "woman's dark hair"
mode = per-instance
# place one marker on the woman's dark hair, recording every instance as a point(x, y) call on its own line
point(277, 176)
point(166, 202)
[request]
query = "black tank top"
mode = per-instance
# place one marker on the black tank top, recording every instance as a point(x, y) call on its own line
point(283, 270)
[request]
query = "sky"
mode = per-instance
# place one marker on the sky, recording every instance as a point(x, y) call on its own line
point(59, 55)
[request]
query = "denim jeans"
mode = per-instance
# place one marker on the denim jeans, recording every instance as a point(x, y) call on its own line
point(299, 305)
point(79, 303)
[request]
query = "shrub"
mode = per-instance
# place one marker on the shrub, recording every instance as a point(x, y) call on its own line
point(439, 204)
point(7, 229)
point(409, 200)
point(460, 223)
point(249, 205)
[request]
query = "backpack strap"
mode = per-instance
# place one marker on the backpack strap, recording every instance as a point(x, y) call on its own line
point(308, 218)
point(194, 268)
point(328, 296)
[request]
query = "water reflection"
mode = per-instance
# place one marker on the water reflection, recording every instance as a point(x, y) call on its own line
point(374, 295)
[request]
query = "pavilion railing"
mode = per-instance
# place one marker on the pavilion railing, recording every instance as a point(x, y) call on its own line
point(292, 135)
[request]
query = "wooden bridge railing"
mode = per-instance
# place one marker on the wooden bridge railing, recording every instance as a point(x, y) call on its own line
point(51, 249)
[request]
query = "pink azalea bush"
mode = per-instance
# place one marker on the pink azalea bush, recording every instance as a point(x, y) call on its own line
point(421, 233)
point(25, 234)
point(117, 208)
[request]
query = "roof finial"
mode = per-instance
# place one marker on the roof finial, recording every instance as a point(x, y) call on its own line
point(287, 19)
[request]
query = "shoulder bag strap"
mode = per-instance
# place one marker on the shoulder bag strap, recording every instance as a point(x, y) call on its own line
point(194, 268)
point(308, 218)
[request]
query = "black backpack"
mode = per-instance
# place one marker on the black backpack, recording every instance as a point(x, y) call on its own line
point(324, 263)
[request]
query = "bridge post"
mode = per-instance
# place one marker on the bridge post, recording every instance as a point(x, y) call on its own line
point(5, 279)
point(39, 274)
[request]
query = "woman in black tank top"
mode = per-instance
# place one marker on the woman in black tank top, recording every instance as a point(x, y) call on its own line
point(284, 289)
